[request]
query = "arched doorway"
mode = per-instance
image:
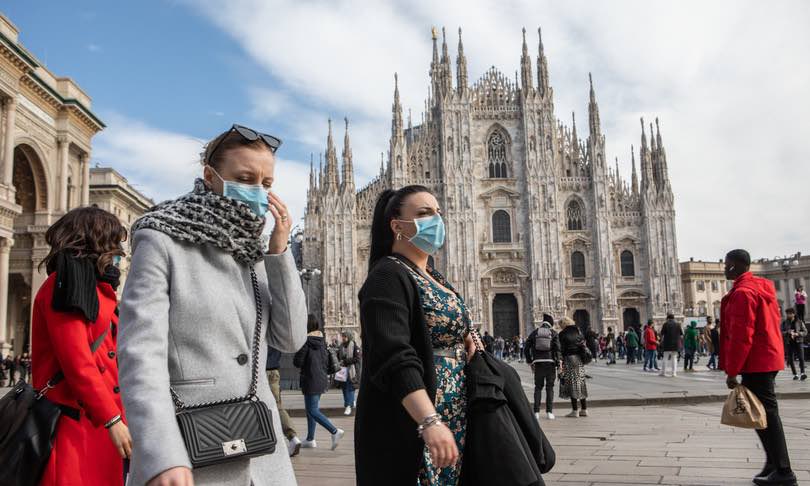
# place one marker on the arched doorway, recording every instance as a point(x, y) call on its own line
point(631, 318)
point(505, 319)
point(583, 320)
point(30, 186)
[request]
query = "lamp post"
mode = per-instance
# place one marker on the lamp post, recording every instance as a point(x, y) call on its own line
point(307, 274)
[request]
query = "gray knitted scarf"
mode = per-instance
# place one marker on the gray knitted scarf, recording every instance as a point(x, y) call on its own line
point(203, 217)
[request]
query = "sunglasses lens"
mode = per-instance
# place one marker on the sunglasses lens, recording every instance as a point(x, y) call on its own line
point(271, 141)
point(246, 132)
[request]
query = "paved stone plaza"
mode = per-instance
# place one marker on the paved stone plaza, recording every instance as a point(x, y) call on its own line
point(672, 445)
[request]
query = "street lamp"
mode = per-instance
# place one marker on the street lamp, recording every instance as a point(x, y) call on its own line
point(307, 274)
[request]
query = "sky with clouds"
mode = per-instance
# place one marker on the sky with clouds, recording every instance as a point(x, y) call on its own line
point(728, 80)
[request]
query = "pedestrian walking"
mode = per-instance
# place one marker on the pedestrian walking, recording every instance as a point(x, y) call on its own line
point(25, 367)
point(800, 301)
point(197, 317)
point(499, 345)
point(411, 411)
point(671, 340)
point(349, 355)
point(716, 344)
point(794, 333)
point(489, 343)
point(711, 345)
point(73, 331)
point(572, 381)
point(313, 361)
point(10, 364)
point(620, 345)
point(753, 347)
point(274, 379)
point(592, 342)
point(610, 346)
point(690, 346)
point(542, 351)
point(631, 341)
point(650, 347)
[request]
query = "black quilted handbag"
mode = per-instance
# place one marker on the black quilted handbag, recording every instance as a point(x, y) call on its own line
point(236, 428)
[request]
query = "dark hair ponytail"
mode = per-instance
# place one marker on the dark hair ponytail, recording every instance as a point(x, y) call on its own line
point(387, 208)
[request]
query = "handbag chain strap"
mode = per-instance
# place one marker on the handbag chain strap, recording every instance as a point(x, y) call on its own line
point(257, 336)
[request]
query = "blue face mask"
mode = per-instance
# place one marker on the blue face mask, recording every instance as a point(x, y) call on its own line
point(429, 235)
point(116, 260)
point(254, 196)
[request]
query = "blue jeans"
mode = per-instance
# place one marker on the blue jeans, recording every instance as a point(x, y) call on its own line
point(348, 393)
point(712, 361)
point(649, 359)
point(314, 415)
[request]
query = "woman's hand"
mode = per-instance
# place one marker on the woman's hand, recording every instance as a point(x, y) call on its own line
point(176, 476)
point(119, 435)
point(283, 226)
point(441, 445)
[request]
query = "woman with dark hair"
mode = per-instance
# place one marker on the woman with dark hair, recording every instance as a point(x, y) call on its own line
point(572, 384)
point(197, 318)
point(313, 361)
point(73, 331)
point(411, 411)
point(349, 356)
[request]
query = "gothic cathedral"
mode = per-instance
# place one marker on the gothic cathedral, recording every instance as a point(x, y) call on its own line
point(538, 223)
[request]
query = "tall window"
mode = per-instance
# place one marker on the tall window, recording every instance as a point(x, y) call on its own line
point(574, 216)
point(577, 265)
point(701, 285)
point(628, 265)
point(501, 227)
point(496, 153)
point(715, 286)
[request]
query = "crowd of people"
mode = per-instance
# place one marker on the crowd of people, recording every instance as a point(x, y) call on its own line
point(209, 297)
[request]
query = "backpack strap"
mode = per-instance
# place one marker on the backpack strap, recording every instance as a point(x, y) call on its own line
point(59, 376)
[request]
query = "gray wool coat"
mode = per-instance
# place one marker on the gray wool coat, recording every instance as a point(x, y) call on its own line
point(186, 316)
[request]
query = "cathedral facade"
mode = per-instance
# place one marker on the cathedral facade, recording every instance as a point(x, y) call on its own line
point(538, 223)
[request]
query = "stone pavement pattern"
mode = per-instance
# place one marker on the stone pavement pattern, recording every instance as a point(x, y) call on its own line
point(614, 385)
point(670, 445)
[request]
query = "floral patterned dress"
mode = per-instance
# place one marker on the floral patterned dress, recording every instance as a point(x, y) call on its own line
point(449, 322)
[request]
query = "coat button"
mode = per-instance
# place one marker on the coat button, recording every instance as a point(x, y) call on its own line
point(116, 389)
point(242, 359)
point(111, 354)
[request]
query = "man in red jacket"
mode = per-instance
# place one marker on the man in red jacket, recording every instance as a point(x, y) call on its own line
point(752, 346)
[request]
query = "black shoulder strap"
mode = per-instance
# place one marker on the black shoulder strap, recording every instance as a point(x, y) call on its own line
point(59, 376)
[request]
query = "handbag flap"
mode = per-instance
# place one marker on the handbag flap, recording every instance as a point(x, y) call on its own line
point(227, 431)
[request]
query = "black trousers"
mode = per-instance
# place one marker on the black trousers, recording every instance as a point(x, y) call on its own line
point(794, 350)
point(631, 355)
point(773, 437)
point(544, 375)
point(800, 311)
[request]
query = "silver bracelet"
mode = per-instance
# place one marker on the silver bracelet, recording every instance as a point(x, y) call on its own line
point(432, 419)
point(112, 421)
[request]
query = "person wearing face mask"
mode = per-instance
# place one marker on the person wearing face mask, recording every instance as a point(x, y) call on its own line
point(201, 283)
point(411, 410)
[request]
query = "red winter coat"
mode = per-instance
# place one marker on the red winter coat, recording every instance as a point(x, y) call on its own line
point(750, 337)
point(82, 452)
point(650, 340)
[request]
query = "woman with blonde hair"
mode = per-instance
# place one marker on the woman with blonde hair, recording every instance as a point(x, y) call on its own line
point(196, 319)
point(573, 386)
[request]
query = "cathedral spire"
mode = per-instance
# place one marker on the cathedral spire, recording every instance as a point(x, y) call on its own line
point(320, 171)
point(574, 141)
point(634, 177)
point(525, 68)
point(396, 110)
point(332, 181)
point(542, 67)
point(348, 166)
point(593, 112)
point(311, 172)
point(461, 66)
point(435, 67)
point(662, 157)
point(646, 163)
point(447, 71)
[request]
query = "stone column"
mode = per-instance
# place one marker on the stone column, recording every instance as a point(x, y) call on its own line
point(85, 164)
point(64, 158)
point(5, 251)
point(8, 145)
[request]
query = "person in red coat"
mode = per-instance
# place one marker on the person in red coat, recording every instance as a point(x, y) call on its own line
point(75, 311)
point(752, 346)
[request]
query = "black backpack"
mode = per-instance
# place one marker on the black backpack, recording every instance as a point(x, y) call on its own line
point(542, 341)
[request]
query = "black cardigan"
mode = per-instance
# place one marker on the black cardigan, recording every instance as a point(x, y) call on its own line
point(397, 360)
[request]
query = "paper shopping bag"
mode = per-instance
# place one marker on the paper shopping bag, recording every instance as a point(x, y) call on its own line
point(743, 409)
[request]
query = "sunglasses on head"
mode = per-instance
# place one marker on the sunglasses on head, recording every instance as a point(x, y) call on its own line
point(250, 135)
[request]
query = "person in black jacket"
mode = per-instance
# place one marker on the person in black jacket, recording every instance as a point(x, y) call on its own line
point(671, 343)
point(573, 386)
point(312, 359)
point(542, 350)
point(349, 355)
point(416, 340)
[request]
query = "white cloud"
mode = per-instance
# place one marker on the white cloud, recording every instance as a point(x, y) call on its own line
point(726, 79)
point(163, 165)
